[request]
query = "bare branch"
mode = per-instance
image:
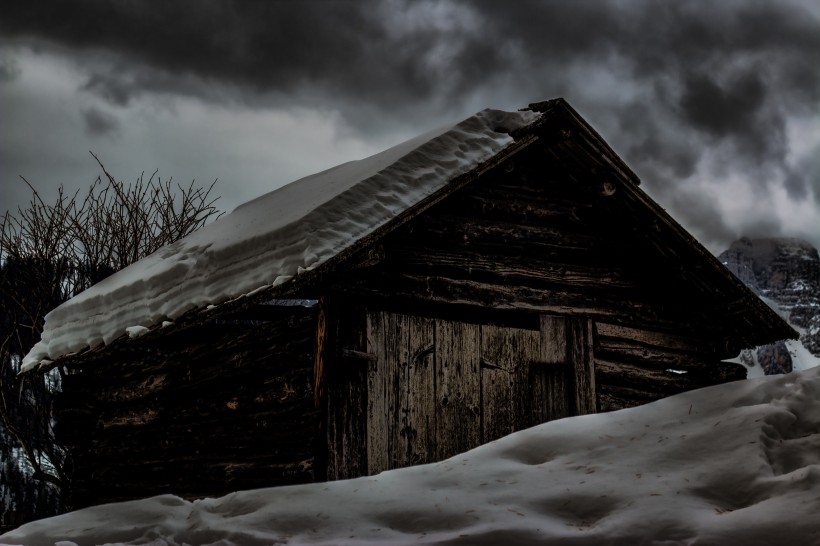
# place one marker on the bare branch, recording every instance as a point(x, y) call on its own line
point(50, 252)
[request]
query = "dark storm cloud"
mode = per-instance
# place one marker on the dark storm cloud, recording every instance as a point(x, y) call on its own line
point(99, 123)
point(682, 77)
point(261, 44)
point(116, 90)
point(720, 79)
point(722, 111)
point(704, 214)
point(9, 69)
point(355, 50)
point(727, 70)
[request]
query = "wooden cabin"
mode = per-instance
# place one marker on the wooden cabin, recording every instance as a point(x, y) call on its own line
point(542, 283)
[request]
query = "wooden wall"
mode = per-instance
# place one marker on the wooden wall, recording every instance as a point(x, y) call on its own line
point(416, 341)
point(417, 389)
point(218, 407)
point(636, 366)
point(536, 238)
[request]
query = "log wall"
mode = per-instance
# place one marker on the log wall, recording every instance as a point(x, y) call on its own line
point(222, 406)
point(453, 294)
point(537, 239)
point(635, 366)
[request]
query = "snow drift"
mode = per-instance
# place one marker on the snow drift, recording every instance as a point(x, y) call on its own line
point(737, 463)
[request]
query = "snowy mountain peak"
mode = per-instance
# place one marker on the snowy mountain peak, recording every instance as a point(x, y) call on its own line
point(774, 264)
point(786, 274)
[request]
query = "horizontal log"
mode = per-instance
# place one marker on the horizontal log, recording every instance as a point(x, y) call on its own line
point(197, 445)
point(192, 480)
point(226, 413)
point(622, 399)
point(518, 268)
point(626, 350)
point(527, 207)
point(502, 296)
point(642, 378)
point(635, 396)
point(548, 226)
point(649, 338)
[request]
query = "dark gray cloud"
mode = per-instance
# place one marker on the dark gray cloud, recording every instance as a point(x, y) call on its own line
point(9, 68)
point(380, 52)
point(115, 88)
point(665, 82)
point(99, 123)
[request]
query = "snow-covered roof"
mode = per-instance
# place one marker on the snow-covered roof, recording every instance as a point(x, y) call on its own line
point(275, 237)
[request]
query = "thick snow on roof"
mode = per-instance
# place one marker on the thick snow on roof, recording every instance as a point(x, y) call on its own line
point(274, 237)
point(738, 463)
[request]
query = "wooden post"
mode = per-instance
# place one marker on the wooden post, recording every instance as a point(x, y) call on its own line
point(320, 364)
point(320, 356)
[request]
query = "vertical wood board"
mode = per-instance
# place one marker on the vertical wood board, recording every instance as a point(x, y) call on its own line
point(580, 344)
point(347, 397)
point(549, 393)
point(397, 343)
point(458, 379)
point(420, 433)
point(553, 340)
point(377, 424)
point(505, 356)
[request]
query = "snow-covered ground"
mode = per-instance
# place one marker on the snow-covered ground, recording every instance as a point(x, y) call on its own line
point(733, 464)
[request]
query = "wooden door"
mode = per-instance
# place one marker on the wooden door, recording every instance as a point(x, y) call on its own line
point(436, 388)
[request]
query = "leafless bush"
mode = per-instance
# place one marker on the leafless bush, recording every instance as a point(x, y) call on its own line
point(50, 252)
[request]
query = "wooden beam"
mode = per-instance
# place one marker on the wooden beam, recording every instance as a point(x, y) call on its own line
point(321, 354)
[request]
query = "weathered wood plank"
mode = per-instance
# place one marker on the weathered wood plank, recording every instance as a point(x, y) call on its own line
point(553, 336)
point(526, 269)
point(580, 354)
point(653, 349)
point(458, 377)
point(504, 236)
point(377, 410)
point(528, 351)
point(497, 373)
point(346, 456)
point(505, 357)
point(648, 338)
point(397, 343)
point(420, 432)
point(550, 393)
point(642, 377)
point(504, 206)
point(347, 399)
point(321, 354)
point(498, 294)
point(614, 397)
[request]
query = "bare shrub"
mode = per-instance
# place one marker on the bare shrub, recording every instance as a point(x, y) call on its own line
point(51, 252)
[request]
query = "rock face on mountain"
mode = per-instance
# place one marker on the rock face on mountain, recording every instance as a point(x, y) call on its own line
point(785, 273)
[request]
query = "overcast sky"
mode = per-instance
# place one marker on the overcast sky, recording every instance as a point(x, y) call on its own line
point(715, 105)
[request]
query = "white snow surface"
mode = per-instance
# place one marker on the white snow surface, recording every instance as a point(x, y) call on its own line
point(270, 239)
point(737, 463)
